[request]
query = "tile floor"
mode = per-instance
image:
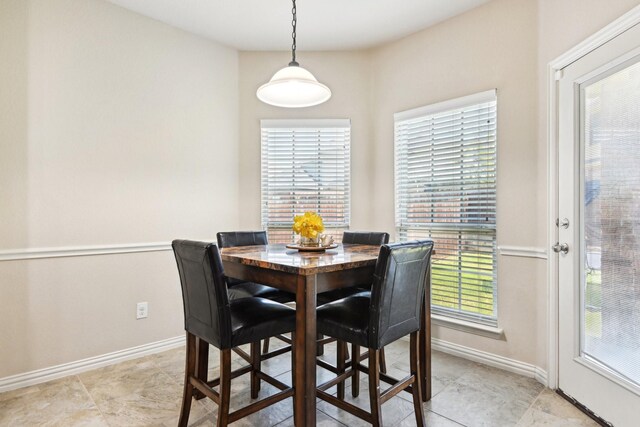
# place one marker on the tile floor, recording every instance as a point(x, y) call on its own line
point(147, 392)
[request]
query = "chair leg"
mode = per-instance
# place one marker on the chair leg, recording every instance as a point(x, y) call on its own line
point(189, 371)
point(255, 368)
point(341, 362)
point(355, 363)
point(374, 387)
point(383, 361)
point(320, 347)
point(202, 365)
point(293, 358)
point(225, 387)
point(293, 369)
point(265, 348)
point(415, 371)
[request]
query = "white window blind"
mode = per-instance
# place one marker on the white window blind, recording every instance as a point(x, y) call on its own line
point(305, 167)
point(445, 178)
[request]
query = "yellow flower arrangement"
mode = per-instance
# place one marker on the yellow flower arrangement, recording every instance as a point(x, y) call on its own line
point(308, 225)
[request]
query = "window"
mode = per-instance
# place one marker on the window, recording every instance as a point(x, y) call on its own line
point(305, 167)
point(445, 178)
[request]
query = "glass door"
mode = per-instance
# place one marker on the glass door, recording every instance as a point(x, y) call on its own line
point(599, 230)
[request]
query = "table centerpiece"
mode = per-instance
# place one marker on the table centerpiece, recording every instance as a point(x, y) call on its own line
point(308, 226)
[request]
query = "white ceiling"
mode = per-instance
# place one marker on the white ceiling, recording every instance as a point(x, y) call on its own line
point(322, 24)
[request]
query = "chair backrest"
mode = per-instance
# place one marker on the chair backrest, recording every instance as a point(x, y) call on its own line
point(398, 290)
point(229, 239)
point(204, 292)
point(365, 238)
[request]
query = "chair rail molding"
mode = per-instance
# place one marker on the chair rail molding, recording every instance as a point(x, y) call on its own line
point(523, 251)
point(77, 251)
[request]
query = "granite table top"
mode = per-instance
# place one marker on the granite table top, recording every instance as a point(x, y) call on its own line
point(278, 257)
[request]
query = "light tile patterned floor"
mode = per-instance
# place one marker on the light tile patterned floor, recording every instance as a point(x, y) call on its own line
point(147, 392)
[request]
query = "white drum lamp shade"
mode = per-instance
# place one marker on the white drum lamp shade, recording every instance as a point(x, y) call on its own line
point(293, 87)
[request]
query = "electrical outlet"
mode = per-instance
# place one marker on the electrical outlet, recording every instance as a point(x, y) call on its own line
point(142, 310)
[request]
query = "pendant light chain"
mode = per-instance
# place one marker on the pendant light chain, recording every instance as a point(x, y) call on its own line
point(294, 23)
point(293, 86)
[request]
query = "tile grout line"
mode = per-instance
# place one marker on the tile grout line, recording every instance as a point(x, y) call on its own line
point(335, 419)
point(84, 387)
point(162, 370)
point(443, 389)
point(531, 405)
point(209, 414)
point(457, 381)
point(429, 410)
point(450, 419)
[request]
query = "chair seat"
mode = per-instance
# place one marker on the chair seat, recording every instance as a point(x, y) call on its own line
point(249, 289)
point(336, 294)
point(254, 319)
point(346, 319)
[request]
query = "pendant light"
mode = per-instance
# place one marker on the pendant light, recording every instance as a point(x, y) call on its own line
point(293, 86)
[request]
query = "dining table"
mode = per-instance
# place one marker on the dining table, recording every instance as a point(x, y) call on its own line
point(307, 274)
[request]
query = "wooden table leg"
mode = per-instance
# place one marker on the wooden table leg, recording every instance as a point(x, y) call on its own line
point(425, 343)
point(305, 347)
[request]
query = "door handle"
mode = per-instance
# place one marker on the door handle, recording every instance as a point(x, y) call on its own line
point(560, 247)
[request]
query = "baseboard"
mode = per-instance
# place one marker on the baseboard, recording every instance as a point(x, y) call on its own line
point(72, 368)
point(490, 359)
point(540, 375)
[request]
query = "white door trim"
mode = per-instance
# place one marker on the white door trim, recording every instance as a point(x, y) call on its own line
point(554, 71)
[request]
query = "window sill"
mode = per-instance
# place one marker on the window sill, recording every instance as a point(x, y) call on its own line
point(469, 327)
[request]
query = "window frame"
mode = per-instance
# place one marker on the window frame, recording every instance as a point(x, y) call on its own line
point(402, 228)
point(343, 125)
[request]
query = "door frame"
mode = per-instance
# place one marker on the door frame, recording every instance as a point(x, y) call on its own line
point(554, 73)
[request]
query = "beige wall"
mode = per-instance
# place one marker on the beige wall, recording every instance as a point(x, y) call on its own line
point(348, 76)
point(116, 129)
point(13, 121)
point(564, 24)
point(504, 44)
point(493, 46)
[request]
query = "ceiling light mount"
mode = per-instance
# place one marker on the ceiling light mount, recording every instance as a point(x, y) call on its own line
point(293, 86)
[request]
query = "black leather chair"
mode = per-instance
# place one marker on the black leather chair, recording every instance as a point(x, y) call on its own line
point(365, 238)
point(357, 238)
point(211, 318)
point(390, 310)
point(241, 288)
